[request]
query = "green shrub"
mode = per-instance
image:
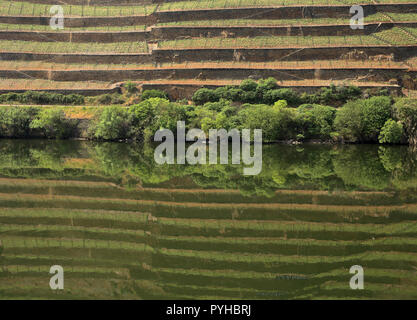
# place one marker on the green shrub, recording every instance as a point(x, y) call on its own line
point(362, 120)
point(248, 85)
point(153, 114)
point(109, 99)
point(147, 94)
point(376, 111)
point(333, 95)
point(316, 120)
point(266, 85)
point(204, 95)
point(112, 124)
point(405, 111)
point(35, 97)
point(9, 97)
point(250, 97)
point(271, 96)
point(53, 123)
point(229, 93)
point(391, 132)
point(277, 122)
point(131, 87)
point(349, 122)
point(15, 121)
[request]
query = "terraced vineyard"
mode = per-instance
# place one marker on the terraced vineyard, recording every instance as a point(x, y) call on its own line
point(180, 46)
point(122, 227)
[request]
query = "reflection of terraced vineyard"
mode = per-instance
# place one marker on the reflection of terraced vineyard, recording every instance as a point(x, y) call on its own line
point(123, 227)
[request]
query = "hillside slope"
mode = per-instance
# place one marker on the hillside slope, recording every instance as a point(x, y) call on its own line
point(180, 46)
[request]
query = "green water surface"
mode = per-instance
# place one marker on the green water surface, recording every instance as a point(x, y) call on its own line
point(123, 227)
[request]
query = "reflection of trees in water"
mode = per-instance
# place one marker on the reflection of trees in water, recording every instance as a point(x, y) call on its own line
point(36, 153)
point(307, 167)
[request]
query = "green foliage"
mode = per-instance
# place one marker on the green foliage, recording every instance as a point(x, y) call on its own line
point(153, 114)
point(248, 85)
point(53, 123)
point(147, 94)
point(271, 96)
point(349, 122)
point(204, 95)
point(267, 84)
point(229, 93)
point(15, 121)
point(108, 99)
point(131, 87)
point(112, 124)
point(277, 122)
point(405, 111)
point(376, 111)
point(35, 97)
point(359, 166)
point(362, 120)
point(316, 120)
point(392, 132)
point(267, 91)
point(333, 95)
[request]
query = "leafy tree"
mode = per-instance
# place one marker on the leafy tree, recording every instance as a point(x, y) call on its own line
point(153, 114)
point(229, 93)
point(316, 120)
point(349, 122)
point(204, 95)
point(53, 123)
point(267, 84)
point(15, 121)
point(112, 124)
point(391, 132)
point(271, 96)
point(376, 111)
point(405, 110)
point(248, 85)
point(362, 120)
point(277, 122)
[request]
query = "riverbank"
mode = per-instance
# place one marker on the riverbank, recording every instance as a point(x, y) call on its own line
point(333, 115)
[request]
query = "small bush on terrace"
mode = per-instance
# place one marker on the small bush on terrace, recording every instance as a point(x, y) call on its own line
point(131, 87)
point(204, 95)
point(267, 91)
point(271, 96)
point(147, 94)
point(35, 97)
point(107, 99)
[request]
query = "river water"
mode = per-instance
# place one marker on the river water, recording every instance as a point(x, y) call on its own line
point(123, 227)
